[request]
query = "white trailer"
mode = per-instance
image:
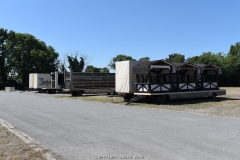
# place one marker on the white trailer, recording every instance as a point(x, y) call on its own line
point(125, 79)
point(39, 80)
point(44, 82)
point(160, 80)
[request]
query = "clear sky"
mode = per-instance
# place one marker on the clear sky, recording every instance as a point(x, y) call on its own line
point(103, 29)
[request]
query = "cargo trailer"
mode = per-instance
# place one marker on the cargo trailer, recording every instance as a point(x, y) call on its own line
point(78, 83)
point(46, 82)
point(161, 80)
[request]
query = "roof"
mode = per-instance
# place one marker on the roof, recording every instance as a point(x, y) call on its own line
point(145, 67)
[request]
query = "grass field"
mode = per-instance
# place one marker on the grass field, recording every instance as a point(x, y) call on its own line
point(227, 105)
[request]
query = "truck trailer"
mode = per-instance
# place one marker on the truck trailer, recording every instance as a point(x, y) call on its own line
point(75, 83)
point(160, 80)
point(46, 82)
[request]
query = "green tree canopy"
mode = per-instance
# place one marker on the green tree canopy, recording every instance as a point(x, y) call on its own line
point(176, 57)
point(91, 68)
point(104, 70)
point(193, 59)
point(3, 68)
point(118, 58)
point(211, 58)
point(217, 59)
point(144, 59)
point(233, 60)
point(75, 65)
point(26, 54)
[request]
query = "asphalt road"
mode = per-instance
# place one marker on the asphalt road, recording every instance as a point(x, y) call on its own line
point(80, 130)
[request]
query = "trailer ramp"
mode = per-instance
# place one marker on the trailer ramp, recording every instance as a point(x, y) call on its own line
point(136, 98)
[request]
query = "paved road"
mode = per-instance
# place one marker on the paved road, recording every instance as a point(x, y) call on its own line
point(80, 130)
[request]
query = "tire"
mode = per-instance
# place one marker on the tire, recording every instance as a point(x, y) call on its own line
point(213, 96)
point(167, 98)
point(79, 93)
point(49, 91)
point(74, 94)
point(160, 99)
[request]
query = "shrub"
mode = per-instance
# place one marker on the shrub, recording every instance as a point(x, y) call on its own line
point(11, 83)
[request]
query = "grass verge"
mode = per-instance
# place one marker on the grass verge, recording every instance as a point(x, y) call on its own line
point(227, 105)
point(13, 148)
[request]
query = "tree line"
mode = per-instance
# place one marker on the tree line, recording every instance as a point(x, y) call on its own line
point(22, 53)
point(229, 63)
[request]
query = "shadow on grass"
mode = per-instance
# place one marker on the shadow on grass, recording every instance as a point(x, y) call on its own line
point(199, 100)
point(190, 101)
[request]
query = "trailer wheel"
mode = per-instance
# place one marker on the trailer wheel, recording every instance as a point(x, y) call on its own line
point(167, 98)
point(74, 93)
point(79, 93)
point(160, 99)
point(51, 91)
point(213, 96)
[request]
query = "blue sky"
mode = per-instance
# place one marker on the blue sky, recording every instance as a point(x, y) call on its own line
point(103, 29)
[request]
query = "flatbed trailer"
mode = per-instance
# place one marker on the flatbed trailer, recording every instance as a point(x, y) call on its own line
point(161, 98)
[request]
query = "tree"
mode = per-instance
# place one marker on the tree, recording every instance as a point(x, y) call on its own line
point(75, 65)
point(3, 68)
point(73, 55)
point(144, 59)
point(26, 54)
point(176, 57)
point(233, 59)
point(233, 62)
point(212, 58)
point(91, 68)
point(104, 70)
point(193, 59)
point(62, 66)
point(118, 58)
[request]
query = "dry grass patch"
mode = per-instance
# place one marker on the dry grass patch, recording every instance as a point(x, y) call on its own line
point(228, 105)
point(94, 98)
point(13, 148)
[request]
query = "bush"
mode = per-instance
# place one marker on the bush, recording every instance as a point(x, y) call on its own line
point(11, 83)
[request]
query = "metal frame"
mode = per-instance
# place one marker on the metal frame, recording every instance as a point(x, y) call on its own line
point(178, 86)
